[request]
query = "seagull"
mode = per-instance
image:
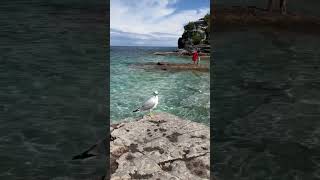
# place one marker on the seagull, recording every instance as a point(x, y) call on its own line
point(150, 104)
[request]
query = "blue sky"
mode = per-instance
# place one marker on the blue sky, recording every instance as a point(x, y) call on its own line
point(152, 22)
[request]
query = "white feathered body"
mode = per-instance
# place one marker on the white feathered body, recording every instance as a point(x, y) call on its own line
point(150, 104)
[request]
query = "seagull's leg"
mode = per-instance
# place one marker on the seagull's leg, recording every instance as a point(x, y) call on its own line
point(149, 114)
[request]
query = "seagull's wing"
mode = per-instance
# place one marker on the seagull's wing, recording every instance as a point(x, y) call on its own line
point(148, 104)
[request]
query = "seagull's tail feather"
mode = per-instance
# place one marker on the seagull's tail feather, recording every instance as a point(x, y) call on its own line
point(137, 110)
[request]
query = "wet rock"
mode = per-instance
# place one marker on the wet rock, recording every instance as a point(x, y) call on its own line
point(204, 53)
point(183, 153)
point(172, 66)
point(164, 53)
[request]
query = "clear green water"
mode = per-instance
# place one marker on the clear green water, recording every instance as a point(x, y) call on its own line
point(185, 94)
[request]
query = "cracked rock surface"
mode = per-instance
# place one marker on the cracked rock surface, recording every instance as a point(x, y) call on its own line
point(160, 147)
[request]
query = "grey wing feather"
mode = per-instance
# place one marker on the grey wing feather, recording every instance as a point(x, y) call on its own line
point(148, 104)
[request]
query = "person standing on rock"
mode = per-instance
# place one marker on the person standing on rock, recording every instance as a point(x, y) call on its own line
point(195, 57)
point(198, 60)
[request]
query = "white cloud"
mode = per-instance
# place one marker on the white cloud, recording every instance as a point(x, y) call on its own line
point(150, 19)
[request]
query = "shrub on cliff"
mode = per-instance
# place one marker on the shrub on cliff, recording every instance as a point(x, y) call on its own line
point(190, 26)
point(196, 38)
point(207, 20)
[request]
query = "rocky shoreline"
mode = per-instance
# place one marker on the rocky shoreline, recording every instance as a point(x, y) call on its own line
point(166, 66)
point(163, 146)
point(182, 53)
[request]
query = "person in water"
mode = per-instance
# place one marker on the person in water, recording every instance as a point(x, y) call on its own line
point(195, 57)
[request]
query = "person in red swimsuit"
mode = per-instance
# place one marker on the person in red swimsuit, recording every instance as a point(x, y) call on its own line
point(195, 57)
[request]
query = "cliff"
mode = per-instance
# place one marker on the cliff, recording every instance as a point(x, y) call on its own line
point(160, 147)
point(196, 35)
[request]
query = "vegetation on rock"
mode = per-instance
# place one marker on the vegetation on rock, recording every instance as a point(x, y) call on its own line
point(190, 26)
point(196, 35)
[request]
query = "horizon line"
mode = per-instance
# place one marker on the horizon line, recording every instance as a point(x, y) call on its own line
point(142, 46)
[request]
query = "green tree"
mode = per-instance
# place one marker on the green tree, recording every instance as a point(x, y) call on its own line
point(189, 27)
point(207, 18)
point(196, 38)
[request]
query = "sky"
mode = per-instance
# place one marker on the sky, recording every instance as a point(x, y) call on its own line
point(152, 22)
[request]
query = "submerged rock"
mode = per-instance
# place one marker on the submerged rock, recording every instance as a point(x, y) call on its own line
point(172, 66)
point(165, 53)
point(163, 146)
point(184, 53)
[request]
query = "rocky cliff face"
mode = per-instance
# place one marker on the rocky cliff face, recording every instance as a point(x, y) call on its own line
point(196, 35)
point(160, 147)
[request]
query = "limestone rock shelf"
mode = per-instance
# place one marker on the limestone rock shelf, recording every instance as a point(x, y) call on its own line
point(182, 53)
point(172, 66)
point(163, 146)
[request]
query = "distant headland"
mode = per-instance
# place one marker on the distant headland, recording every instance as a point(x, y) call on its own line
point(196, 36)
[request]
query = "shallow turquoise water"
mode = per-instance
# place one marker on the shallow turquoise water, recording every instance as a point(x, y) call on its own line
point(185, 94)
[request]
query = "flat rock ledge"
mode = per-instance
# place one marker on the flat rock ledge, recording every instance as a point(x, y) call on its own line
point(163, 146)
point(184, 54)
point(165, 66)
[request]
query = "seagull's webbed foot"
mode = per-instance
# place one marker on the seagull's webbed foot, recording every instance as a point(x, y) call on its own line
point(150, 114)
